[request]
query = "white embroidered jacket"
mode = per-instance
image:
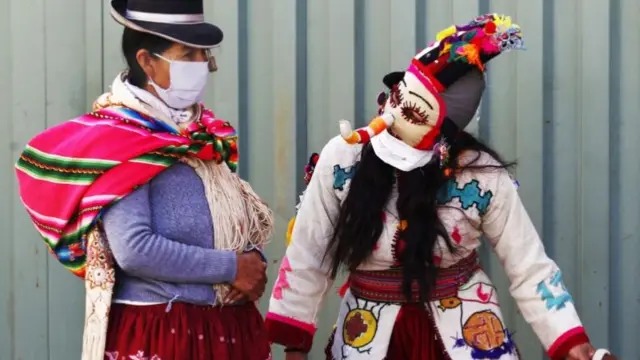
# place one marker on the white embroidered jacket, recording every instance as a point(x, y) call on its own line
point(472, 327)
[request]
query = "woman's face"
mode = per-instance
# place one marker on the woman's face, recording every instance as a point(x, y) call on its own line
point(157, 68)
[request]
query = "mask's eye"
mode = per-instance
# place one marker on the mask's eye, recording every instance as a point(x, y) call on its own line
point(395, 96)
point(414, 114)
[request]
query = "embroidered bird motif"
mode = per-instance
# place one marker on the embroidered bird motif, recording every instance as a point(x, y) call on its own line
point(483, 296)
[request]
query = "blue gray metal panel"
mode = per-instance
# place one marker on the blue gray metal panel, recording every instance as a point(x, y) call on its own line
point(7, 287)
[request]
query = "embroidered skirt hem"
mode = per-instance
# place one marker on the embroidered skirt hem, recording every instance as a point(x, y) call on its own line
point(186, 332)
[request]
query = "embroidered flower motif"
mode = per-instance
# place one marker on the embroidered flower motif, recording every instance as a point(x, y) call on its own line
point(115, 355)
point(100, 277)
point(282, 282)
point(99, 253)
point(100, 271)
point(483, 296)
point(138, 356)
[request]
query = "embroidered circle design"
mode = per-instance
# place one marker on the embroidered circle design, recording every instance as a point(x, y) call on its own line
point(484, 331)
point(449, 303)
point(359, 328)
point(98, 276)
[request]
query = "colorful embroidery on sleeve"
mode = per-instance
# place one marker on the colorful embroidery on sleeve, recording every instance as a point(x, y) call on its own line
point(470, 194)
point(282, 282)
point(554, 301)
point(341, 175)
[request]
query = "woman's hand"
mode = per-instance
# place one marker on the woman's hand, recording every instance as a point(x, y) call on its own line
point(585, 352)
point(236, 296)
point(251, 278)
point(581, 352)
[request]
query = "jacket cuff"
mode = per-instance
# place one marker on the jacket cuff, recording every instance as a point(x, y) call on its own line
point(258, 250)
point(291, 333)
point(561, 347)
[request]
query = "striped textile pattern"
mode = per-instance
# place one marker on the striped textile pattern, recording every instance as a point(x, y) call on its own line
point(386, 285)
point(69, 173)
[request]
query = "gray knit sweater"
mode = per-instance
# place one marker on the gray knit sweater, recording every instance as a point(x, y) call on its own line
point(161, 236)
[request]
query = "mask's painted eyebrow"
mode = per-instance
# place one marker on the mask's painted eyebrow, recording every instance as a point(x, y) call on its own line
point(421, 98)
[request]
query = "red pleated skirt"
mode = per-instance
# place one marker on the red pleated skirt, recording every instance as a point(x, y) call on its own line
point(414, 337)
point(186, 332)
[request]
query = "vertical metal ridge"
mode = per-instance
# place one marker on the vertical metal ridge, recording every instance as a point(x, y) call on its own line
point(548, 65)
point(484, 135)
point(421, 25)
point(302, 95)
point(244, 100)
point(484, 132)
point(615, 164)
point(360, 63)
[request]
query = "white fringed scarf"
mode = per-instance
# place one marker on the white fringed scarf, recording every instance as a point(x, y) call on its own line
point(240, 218)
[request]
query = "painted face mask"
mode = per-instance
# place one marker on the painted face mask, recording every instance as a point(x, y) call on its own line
point(440, 90)
point(188, 80)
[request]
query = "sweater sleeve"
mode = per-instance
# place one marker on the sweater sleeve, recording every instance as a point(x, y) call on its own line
point(139, 251)
point(303, 278)
point(536, 280)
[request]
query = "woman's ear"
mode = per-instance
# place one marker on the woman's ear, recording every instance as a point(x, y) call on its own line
point(144, 59)
point(393, 78)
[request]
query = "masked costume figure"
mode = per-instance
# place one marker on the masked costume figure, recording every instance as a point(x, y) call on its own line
point(412, 185)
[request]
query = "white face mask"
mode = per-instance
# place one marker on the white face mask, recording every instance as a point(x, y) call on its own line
point(187, 83)
point(399, 154)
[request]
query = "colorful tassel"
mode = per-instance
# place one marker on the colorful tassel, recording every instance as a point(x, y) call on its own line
point(489, 34)
point(451, 30)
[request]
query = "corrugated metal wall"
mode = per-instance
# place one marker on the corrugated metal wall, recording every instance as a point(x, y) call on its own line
point(566, 109)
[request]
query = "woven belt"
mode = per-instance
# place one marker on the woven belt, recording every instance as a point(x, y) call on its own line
point(386, 285)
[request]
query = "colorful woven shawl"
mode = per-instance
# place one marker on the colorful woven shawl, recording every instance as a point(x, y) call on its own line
point(70, 172)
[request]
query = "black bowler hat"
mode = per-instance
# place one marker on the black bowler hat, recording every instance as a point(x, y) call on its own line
point(181, 21)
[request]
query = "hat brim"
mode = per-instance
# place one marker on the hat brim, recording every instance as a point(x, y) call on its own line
point(201, 36)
